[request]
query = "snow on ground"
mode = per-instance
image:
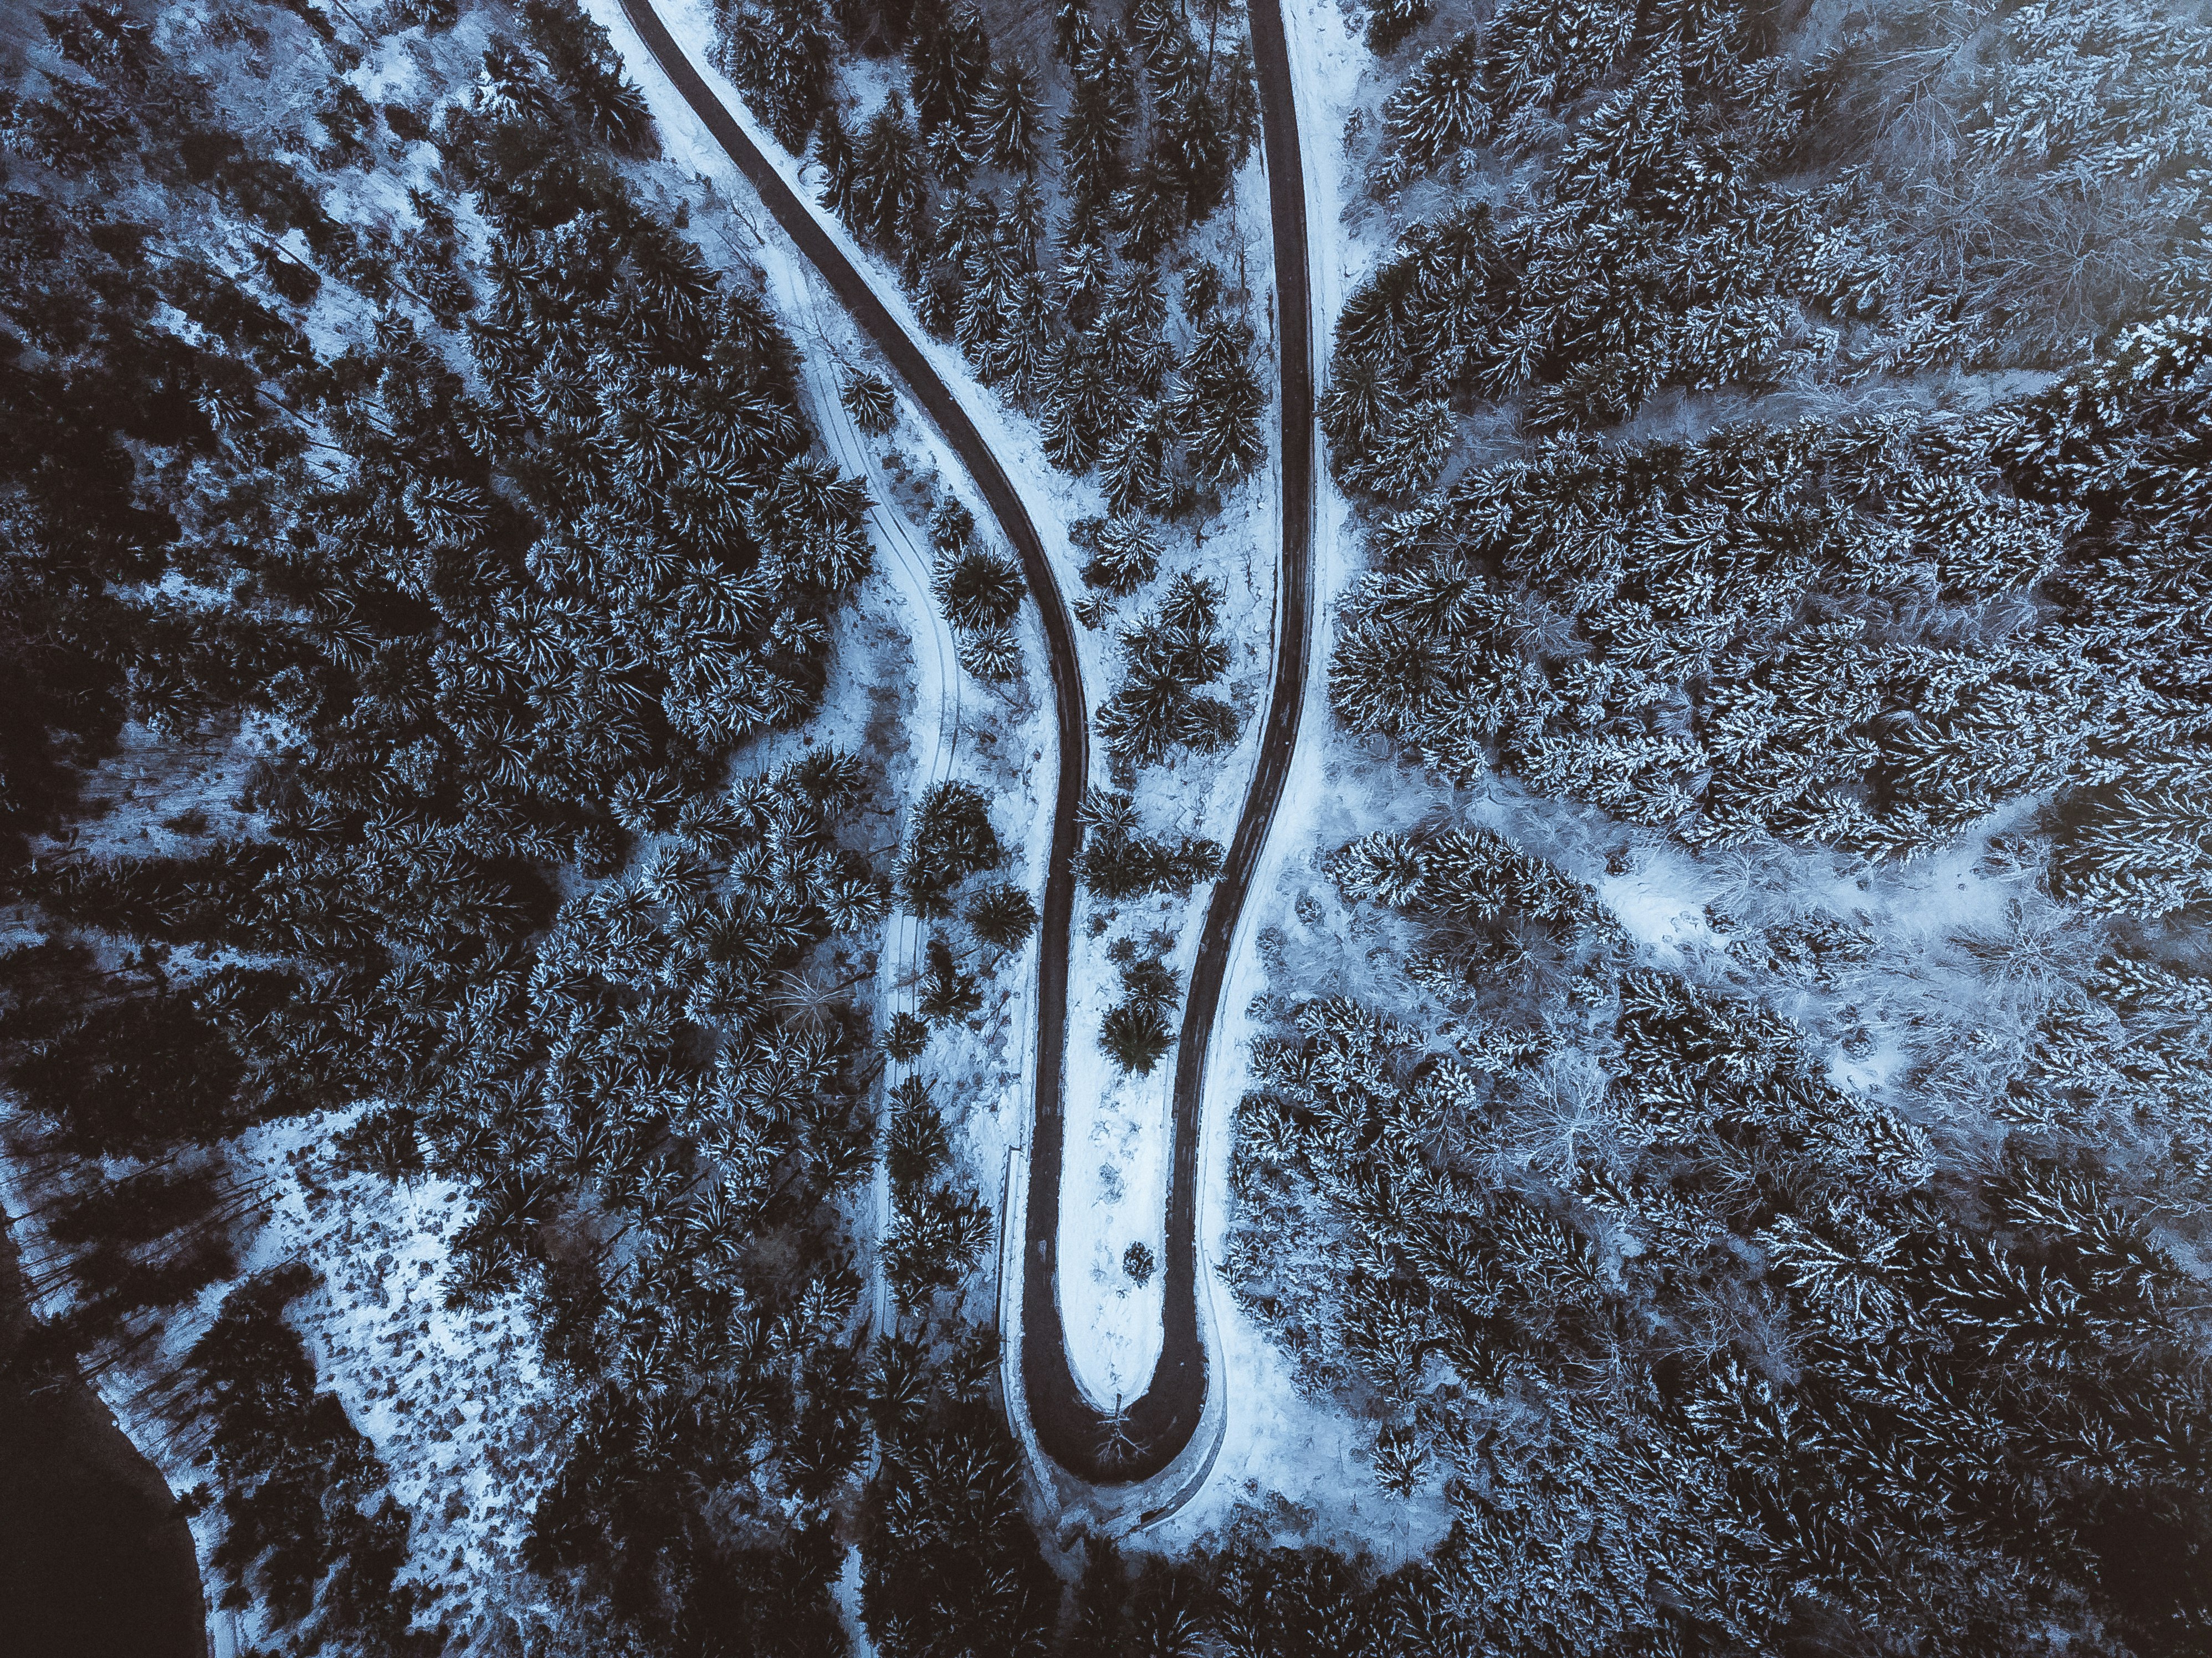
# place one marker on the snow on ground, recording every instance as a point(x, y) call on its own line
point(932, 712)
point(456, 1402)
point(466, 1423)
point(1114, 1179)
point(158, 796)
point(1276, 1444)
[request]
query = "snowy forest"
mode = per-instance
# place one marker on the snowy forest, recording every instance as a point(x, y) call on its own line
point(1714, 1148)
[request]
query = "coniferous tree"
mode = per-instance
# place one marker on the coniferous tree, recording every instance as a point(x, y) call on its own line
point(1166, 658)
point(1004, 915)
point(952, 839)
point(1136, 1030)
point(868, 398)
point(785, 52)
point(991, 653)
point(833, 150)
point(1152, 207)
point(950, 56)
point(1007, 112)
point(1133, 469)
point(1218, 414)
point(1443, 107)
point(979, 589)
point(1081, 408)
point(1100, 113)
point(1389, 22)
point(947, 991)
point(1125, 553)
point(890, 190)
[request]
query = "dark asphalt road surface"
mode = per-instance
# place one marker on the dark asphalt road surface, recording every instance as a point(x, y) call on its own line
point(1155, 1427)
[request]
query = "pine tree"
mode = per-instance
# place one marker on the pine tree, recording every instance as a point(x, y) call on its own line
point(1022, 355)
point(1202, 285)
point(890, 189)
point(1125, 553)
point(1410, 453)
point(992, 655)
point(993, 281)
point(1082, 407)
point(868, 398)
point(1003, 915)
point(839, 162)
point(952, 839)
point(1099, 115)
point(949, 156)
point(1086, 274)
point(785, 52)
point(1198, 136)
point(1359, 407)
point(1133, 472)
point(1219, 411)
point(1442, 107)
point(906, 1039)
point(1025, 219)
point(1073, 36)
point(951, 528)
point(1007, 136)
point(1136, 1030)
point(1130, 332)
point(1137, 1034)
point(947, 991)
point(1151, 207)
point(950, 56)
point(1389, 22)
point(978, 588)
point(1156, 31)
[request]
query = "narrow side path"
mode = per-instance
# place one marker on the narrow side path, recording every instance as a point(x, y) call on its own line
point(903, 556)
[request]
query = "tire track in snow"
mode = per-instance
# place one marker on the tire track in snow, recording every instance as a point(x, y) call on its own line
point(934, 728)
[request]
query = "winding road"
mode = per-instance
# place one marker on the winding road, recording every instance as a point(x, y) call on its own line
point(1155, 1429)
point(1145, 1441)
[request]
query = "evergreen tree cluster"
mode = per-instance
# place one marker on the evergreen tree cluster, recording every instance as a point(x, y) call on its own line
point(1165, 658)
point(1121, 555)
point(949, 175)
point(952, 842)
point(1138, 1030)
point(937, 1230)
point(952, 839)
point(1713, 207)
point(981, 590)
point(950, 1563)
point(500, 515)
point(1868, 633)
point(1118, 860)
point(1711, 1354)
